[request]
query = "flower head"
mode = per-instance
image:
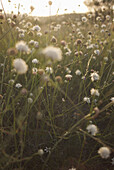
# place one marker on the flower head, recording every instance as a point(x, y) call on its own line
point(22, 47)
point(53, 53)
point(92, 129)
point(78, 72)
point(104, 152)
point(94, 92)
point(20, 66)
point(94, 76)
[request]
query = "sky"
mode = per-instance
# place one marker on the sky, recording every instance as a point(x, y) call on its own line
point(42, 7)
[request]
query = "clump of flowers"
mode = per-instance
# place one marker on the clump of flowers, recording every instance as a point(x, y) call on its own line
point(92, 129)
point(20, 66)
point(104, 152)
point(53, 53)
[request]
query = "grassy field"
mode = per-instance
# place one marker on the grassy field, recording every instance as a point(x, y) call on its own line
point(56, 103)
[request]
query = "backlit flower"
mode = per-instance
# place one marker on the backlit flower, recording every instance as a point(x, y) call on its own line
point(53, 53)
point(104, 152)
point(20, 66)
point(92, 129)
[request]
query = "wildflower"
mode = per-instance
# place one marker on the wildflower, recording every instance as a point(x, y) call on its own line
point(86, 99)
point(50, 3)
point(39, 116)
point(21, 35)
point(68, 76)
point(113, 161)
point(63, 43)
point(49, 70)
point(72, 169)
point(11, 81)
point(112, 99)
point(23, 91)
point(20, 66)
point(47, 150)
point(22, 47)
point(35, 61)
point(106, 59)
point(58, 79)
point(97, 52)
point(53, 52)
point(94, 76)
point(104, 152)
point(34, 70)
point(36, 44)
point(54, 40)
point(94, 92)
point(78, 53)
point(12, 51)
point(30, 100)
point(107, 17)
point(78, 42)
point(78, 72)
point(68, 70)
point(18, 85)
point(31, 42)
point(41, 71)
point(36, 28)
point(32, 8)
point(92, 129)
point(39, 34)
point(84, 19)
point(31, 94)
point(40, 152)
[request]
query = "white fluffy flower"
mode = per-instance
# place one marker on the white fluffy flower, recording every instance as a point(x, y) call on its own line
point(18, 85)
point(22, 47)
point(112, 99)
point(30, 100)
point(35, 61)
point(86, 99)
point(78, 72)
point(94, 76)
point(53, 52)
point(68, 76)
point(36, 28)
point(11, 81)
point(92, 129)
point(84, 19)
point(104, 152)
point(20, 66)
point(94, 92)
point(40, 152)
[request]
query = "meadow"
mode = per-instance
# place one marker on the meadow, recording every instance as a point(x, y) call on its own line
point(56, 92)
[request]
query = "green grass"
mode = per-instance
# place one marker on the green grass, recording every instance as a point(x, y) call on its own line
point(65, 116)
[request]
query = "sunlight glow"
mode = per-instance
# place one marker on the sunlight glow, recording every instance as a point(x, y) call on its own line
point(42, 7)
